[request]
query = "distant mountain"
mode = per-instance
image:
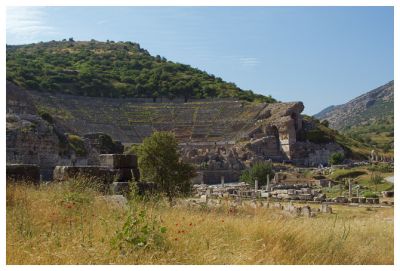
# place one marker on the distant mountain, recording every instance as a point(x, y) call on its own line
point(368, 118)
point(113, 69)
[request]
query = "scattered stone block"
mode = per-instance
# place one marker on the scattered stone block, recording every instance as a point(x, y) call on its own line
point(203, 199)
point(23, 173)
point(320, 197)
point(388, 194)
point(291, 192)
point(341, 200)
point(265, 194)
point(325, 208)
point(362, 200)
point(306, 211)
point(370, 200)
point(355, 200)
point(118, 160)
point(294, 210)
point(305, 197)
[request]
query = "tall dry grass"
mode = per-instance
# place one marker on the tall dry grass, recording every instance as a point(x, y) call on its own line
point(71, 224)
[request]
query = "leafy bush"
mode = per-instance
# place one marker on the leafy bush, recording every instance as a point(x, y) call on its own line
point(376, 178)
point(140, 231)
point(336, 158)
point(77, 145)
point(369, 194)
point(159, 162)
point(258, 171)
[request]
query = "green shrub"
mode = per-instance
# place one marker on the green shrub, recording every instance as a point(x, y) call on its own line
point(77, 145)
point(376, 178)
point(132, 149)
point(336, 158)
point(370, 194)
point(140, 231)
point(258, 171)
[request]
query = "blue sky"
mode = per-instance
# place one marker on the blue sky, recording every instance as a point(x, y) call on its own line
point(318, 55)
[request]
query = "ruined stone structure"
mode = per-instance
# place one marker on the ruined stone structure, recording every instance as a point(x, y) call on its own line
point(115, 173)
point(24, 173)
point(221, 137)
point(275, 129)
point(35, 139)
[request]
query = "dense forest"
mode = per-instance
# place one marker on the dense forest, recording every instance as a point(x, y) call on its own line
point(112, 69)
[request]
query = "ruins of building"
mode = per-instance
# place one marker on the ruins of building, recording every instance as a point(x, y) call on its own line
point(220, 136)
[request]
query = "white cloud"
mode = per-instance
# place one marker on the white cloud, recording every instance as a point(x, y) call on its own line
point(249, 61)
point(26, 24)
point(102, 22)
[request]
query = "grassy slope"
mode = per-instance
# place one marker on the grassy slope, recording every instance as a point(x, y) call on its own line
point(379, 134)
point(76, 227)
point(112, 69)
point(362, 177)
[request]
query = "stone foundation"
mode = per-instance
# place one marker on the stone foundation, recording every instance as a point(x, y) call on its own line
point(23, 173)
point(104, 174)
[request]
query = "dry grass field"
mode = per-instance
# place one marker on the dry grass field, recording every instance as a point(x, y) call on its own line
point(68, 223)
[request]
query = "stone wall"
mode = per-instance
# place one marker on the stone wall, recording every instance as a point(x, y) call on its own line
point(311, 154)
point(22, 173)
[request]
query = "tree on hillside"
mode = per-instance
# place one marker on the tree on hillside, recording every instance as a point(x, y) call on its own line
point(159, 162)
point(258, 171)
point(336, 158)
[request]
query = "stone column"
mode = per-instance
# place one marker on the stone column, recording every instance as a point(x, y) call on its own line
point(268, 184)
point(350, 188)
point(223, 181)
point(256, 185)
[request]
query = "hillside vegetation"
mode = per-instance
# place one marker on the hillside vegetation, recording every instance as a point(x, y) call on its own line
point(319, 132)
point(368, 118)
point(379, 134)
point(112, 69)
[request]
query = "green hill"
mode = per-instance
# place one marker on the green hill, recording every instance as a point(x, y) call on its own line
point(112, 69)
